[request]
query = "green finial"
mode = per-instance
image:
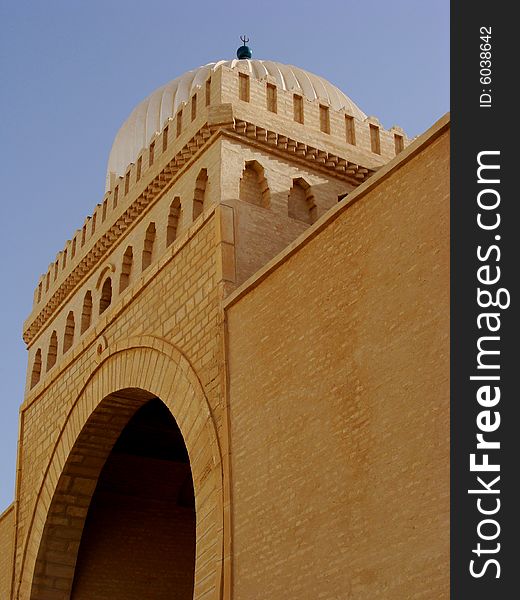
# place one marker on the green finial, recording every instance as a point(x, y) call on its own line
point(244, 51)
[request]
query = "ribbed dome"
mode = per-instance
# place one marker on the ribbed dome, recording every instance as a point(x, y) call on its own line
point(151, 114)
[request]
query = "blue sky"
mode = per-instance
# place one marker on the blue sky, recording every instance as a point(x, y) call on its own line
point(71, 72)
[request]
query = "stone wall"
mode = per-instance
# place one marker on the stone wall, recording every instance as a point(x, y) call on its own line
point(339, 398)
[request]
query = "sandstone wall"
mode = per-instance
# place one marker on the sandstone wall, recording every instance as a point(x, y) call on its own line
point(6, 550)
point(339, 398)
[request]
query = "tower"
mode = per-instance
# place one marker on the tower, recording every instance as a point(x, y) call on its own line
point(210, 353)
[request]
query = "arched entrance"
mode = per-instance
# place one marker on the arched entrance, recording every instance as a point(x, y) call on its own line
point(100, 426)
point(139, 535)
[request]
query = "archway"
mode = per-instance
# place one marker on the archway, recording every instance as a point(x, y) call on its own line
point(138, 540)
point(153, 369)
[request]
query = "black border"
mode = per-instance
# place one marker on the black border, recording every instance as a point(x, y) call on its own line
point(476, 129)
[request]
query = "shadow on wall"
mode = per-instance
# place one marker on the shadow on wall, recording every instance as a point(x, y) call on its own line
point(126, 500)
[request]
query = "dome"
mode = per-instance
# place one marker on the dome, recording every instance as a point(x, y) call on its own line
point(151, 114)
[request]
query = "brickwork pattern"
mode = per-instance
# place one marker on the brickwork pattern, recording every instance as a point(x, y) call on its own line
point(138, 543)
point(6, 553)
point(339, 402)
point(262, 232)
point(181, 306)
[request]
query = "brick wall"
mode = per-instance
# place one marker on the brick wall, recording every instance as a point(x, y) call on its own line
point(6, 550)
point(261, 232)
point(339, 399)
point(111, 266)
point(180, 306)
point(138, 542)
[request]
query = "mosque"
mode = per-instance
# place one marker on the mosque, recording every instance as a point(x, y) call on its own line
point(238, 367)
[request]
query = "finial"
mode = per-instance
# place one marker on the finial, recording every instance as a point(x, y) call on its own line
point(244, 51)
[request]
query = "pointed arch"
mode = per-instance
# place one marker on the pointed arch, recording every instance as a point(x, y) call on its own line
point(253, 185)
point(52, 351)
point(86, 313)
point(37, 368)
point(173, 220)
point(148, 247)
point(301, 203)
point(106, 295)
point(126, 269)
point(68, 336)
point(199, 194)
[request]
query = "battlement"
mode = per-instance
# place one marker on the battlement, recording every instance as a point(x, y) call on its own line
point(311, 121)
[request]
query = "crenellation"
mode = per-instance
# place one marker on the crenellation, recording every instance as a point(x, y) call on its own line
point(256, 110)
point(164, 137)
point(94, 220)
point(127, 180)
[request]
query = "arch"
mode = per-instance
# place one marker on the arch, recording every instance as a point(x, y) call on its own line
point(86, 313)
point(52, 352)
point(199, 194)
point(68, 336)
point(253, 185)
point(166, 374)
point(144, 487)
point(173, 220)
point(106, 295)
point(148, 247)
point(37, 368)
point(109, 268)
point(301, 204)
point(126, 269)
